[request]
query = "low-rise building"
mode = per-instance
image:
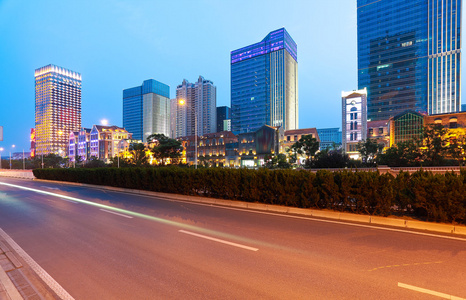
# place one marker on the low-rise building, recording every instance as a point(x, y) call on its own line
point(329, 137)
point(107, 141)
point(379, 131)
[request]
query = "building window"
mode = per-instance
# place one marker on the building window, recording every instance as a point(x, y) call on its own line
point(371, 131)
point(380, 130)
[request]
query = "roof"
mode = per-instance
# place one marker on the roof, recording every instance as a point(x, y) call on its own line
point(375, 124)
point(303, 131)
point(224, 134)
point(109, 128)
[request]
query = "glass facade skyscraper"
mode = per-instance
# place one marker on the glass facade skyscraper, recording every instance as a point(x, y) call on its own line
point(146, 109)
point(223, 113)
point(264, 84)
point(58, 108)
point(409, 56)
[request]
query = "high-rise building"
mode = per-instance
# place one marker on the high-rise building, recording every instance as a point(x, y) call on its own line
point(409, 55)
point(223, 114)
point(329, 137)
point(264, 84)
point(199, 107)
point(58, 108)
point(354, 120)
point(146, 109)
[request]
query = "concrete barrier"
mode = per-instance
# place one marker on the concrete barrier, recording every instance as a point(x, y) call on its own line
point(25, 174)
point(460, 230)
point(355, 217)
point(430, 226)
point(388, 221)
point(326, 214)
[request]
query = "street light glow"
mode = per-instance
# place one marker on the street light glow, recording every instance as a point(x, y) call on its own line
point(181, 102)
point(104, 122)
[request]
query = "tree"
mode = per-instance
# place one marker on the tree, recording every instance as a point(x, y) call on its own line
point(164, 147)
point(94, 162)
point(331, 159)
point(306, 145)
point(434, 146)
point(138, 154)
point(369, 149)
point(276, 161)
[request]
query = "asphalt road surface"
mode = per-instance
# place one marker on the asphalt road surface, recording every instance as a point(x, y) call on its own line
point(106, 245)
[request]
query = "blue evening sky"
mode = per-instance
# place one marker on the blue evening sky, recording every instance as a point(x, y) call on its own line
point(118, 44)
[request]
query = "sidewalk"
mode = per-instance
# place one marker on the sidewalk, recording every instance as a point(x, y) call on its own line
point(17, 281)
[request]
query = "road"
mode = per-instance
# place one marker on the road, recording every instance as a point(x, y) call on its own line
point(107, 245)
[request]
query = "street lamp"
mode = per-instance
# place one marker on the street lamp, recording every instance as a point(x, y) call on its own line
point(104, 122)
point(12, 146)
point(1, 149)
point(182, 102)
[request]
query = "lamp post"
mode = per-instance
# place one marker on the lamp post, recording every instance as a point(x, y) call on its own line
point(182, 102)
point(1, 149)
point(12, 146)
point(24, 164)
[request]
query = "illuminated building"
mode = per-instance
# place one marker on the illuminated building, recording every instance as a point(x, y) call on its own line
point(329, 137)
point(58, 108)
point(33, 142)
point(264, 84)
point(199, 107)
point(107, 141)
point(409, 56)
point(354, 123)
point(379, 131)
point(292, 136)
point(146, 109)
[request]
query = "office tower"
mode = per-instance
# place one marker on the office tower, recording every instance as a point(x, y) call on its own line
point(409, 55)
point(58, 108)
point(223, 114)
point(173, 117)
point(354, 120)
point(146, 109)
point(264, 84)
point(196, 104)
point(329, 137)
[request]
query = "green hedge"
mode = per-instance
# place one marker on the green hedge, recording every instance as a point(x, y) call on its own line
point(422, 194)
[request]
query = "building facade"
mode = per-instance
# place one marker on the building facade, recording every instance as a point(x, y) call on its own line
point(379, 131)
point(264, 84)
point(329, 137)
point(146, 109)
point(58, 108)
point(223, 114)
point(107, 141)
point(407, 126)
point(354, 123)
point(409, 55)
point(196, 105)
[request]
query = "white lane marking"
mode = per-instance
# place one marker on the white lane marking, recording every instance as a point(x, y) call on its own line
point(219, 240)
point(309, 218)
point(426, 291)
point(115, 213)
point(69, 200)
point(50, 188)
point(57, 288)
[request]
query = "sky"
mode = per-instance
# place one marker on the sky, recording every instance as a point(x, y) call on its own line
point(118, 44)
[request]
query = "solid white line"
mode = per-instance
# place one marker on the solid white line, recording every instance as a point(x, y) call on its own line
point(69, 200)
point(430, 292)
point(58, 289)
point(309, 218)
point(115, 213)
point(219, 240)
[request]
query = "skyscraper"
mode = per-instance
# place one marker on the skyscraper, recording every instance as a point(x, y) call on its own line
point(146, 109)
point(223, 114)
point(58, 108)
point(409, 55)
point(200, 106)
point(264, 84)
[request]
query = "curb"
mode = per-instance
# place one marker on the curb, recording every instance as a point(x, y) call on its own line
point(333, 215)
